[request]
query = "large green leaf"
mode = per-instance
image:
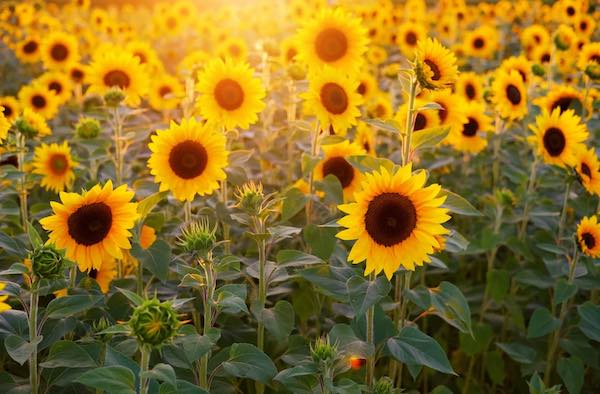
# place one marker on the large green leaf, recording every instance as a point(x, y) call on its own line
point(114, 379)
point(364, 293)
point(247, 361)
point(411, 346)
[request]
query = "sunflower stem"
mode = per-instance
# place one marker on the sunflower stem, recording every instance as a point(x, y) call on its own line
point(408, 129)
point(33, 312)
point(21, 151)
point(209, 291)
point(314, 149)
point(370, 334)
point(563, 212)
point(144, 365)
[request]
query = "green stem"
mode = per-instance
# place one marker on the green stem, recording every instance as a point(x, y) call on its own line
point(144, 365)
point(314, 149)
point(408, 129)
point(33, 312)
point(563, 212)
point(208, 318)
point(370, 334)
point(21, 151)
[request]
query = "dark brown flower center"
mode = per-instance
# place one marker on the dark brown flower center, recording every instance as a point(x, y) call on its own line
point(59, 164)
point(478, 43)
point(38, 101)
point(434, 69)
point(410, 38)
point(188, 159)
point(513, 94)
point(59, 52)
point(554, 141)
point(339, 167)
point(90, 223)
point(470, 91)
point(420, 122)
point(331, 44)
point(470, 128)
point(589, 240)
point(585, 169)
point(229, 94)
point(118, 78)
point(30, 47)
point(334, 98)
point(55, 86)
point(390, 218)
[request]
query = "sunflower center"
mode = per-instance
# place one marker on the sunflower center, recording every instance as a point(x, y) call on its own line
point(470, 128)
point(410, 38)
point(117, 78)
point(554, 141)
point(188, 159)
point(420, 122)
point(59, 163)
point(93, 273)
point(513, 94)
point(470, 91)
point(434, 69)
point(38, 101)
point(331, 44)
point(478, 43)
point(55, 86)
point(59, 52)
point(390, 218)
point(588, 240)
point(90, 223)
point(585, 169)
point(342, 170)
point(334, 98)
point(30, 47)
point(164, 90)
point(229, 94)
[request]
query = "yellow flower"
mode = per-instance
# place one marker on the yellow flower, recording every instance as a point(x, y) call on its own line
point(435, 65)
point(335, 163)
point(395, 221)
point(509, 95)
point(229, 94)
point(588, 236)
point(92, 226)
point(54, 162)
point(188, 159)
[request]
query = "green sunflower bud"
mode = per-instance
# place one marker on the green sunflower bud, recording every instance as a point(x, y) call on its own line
point(383, 385)
point(198, 238)
point(538, 70)
point(114, 97)
point(154, 323)
point(47, 262)
point(87, 128)
point(593, 71)
point(296, 72)
point(250, 198)
point(323, 352)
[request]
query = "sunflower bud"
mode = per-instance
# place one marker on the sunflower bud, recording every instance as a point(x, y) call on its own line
point(250, 197)
point(87, 128)
point(593, 71)
point(538, 70)
point(323, 352)
point(114, 97)
point(383, 385)
point(46, 262)
point(198, 238)
point(296, 72)
point(154, 323)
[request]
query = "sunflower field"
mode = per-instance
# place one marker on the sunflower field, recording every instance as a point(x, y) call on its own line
point(299, 196)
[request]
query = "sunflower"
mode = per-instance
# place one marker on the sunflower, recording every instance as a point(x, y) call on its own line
point(11, 107)
point(332, 96)
point(435, 65)
point(365, 138)
point(229, 94)
point(481, 42)
point(3, 305)
point(407, 37)
point(188, 158)
point(28, 50)
point(395, 221)
point(519, 64)
point(104, 274)
point(367, 85)
point(334, 38)
point(590, 53)
point(424, 118)
point(335, 163)
point(59, 49)
point(92, 226)
point(588, 236)
point(54, 162)
point(509, 95)
point(35, 121)
point(40, 99)
point(558, 136)
point(470, 136)
point(59, 83)
point(587, 167)
point(470, 86)
point(118, 69)
point(563, 97)
point(165, 92)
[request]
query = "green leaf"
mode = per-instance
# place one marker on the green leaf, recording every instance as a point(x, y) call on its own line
point(156, 258)
point(590, 320)
point(520, 353)
point(451, 305)
point(67, 354)
point(18, 348)
point(498, 284)
point(294, 201)
point(70, 305)
point(162, 373)
point(457, 204)
point(135, 299)
point(114, 379)
point(247, 361)
point(541, 323)
point(563, 291)
point(34, 236)
point(411, 346)
point(571, 372)
point(147, 204)
point(279, 321)
point(364, 293)
point(429, 137)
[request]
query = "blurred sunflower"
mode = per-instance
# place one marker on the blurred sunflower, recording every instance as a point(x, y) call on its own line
point(104, 274)
point(435, 65)
point(165, 92)
point(587, 167)
point(470, 137)
point(563, 97)
point(588, 236)
point(557, 136)
point(333, 38)
point(332, 97)
point(54, 162)
point(40, 99)
point(118, 69)
point(11, 107)
point(229, 94)
point(408, 36)
point(92, 226)
point(335, 163)
point(509, 95)
point(188, 159)
point(470, 86)
point(365, 138)
point(59, 49)
point(395, 221)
